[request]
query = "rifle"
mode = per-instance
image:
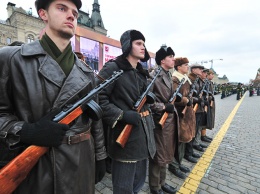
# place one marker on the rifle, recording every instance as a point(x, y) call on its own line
point(172, 100)
point(195, 108)
point(16, 170)
point(124, 135)
point(207, 94)
point(193, 92)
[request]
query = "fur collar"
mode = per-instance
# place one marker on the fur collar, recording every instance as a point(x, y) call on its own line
point(192, 76)
point(124, 64)
point(181, 76)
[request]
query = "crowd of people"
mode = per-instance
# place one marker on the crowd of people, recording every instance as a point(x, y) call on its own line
point(166, 114)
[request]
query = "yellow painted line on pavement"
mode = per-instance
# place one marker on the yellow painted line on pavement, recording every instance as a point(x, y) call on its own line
point(202, 167)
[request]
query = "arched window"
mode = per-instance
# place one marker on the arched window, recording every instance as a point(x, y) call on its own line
point(30, 38)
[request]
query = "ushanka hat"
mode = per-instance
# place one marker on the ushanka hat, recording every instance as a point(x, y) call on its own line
point(180, 61)
point(162, 53)
point(42, 4)
point(126, 42)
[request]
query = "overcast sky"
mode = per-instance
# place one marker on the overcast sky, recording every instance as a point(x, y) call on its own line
point(200, 30)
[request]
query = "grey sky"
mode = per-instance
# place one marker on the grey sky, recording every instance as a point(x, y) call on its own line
point(200, 30)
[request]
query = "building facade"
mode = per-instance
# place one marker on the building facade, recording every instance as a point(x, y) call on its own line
point(90, 37)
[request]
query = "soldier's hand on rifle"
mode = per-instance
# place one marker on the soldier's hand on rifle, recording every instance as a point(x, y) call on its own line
point(44, 132)
point(131, 117)
point(169, 108)
point(197, 100)
point(206, 103)
point(190, 102)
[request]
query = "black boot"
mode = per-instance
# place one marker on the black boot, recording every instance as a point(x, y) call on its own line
point(184, 169)
point(177, 172)
point(169, 189)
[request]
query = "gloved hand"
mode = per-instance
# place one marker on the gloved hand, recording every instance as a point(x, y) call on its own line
point(44, 132)
point(197, 100)
point(212, 98)
point(169, 108)
point(190, 102)
point(131, 117)
point(100, 170)
point(206, 103)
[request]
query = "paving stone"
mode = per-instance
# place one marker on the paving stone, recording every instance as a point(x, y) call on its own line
point(227, 189)
point(215, 191)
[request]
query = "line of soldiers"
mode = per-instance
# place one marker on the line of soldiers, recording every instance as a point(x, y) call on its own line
point(165, 129)
point(192, 112)
point(227, 89)
point(169, 125)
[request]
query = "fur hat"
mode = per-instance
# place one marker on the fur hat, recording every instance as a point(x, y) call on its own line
point(162, 53)
point(196, 66)
point(180, 61)
point(126, 42)
point(42, 4)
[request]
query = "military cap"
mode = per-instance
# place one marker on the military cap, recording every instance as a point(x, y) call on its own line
point(196, 66)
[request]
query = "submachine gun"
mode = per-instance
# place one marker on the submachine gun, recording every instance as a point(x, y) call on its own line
point(16, 170)
point(203, 92)
point(192, 93)
point(146, 96)
point(176, 95)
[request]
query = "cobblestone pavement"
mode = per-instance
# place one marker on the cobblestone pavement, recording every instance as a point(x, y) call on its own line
point(231, 163)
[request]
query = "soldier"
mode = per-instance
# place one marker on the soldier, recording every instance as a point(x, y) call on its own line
point(223, 90)
point(37, 79)
point(211, 108)
point(166, 136)
point(187, 120)
point(197, 70)
point(239, 91)
point(129, 163)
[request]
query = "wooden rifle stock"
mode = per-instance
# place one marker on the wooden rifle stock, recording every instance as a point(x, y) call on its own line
point(211, 103)
point(163, 119)
point(195, 108)
point(12, 174)
point(184, 110)
point(125, 133)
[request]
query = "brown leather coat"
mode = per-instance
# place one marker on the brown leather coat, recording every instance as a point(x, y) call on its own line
point(31, 84)
point(166, 138)
point(187, 121)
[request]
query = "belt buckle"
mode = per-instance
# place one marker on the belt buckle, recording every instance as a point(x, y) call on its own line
point(69, 140)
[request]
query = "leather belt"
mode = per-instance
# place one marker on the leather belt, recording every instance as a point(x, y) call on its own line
point(145, 113)
point(73, 139)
